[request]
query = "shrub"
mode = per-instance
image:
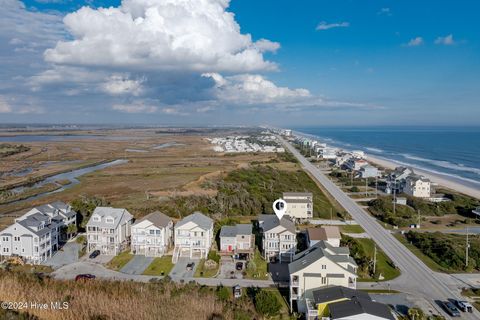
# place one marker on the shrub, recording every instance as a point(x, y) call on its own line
point(223, 293)
point(267, 304)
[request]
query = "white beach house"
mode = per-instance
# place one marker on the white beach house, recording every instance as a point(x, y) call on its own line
point(152, 235)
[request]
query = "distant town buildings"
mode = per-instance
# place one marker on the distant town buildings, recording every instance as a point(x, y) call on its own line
point(299, 204)
point(259, 143)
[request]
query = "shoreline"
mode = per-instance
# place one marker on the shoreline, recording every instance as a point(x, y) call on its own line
point(441, 180)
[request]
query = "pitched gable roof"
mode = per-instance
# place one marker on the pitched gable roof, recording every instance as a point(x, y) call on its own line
point(157, 218)
point(337, 292)
point(271, 222)
point(198, 218)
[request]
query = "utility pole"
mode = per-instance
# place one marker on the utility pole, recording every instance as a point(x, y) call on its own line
point(419, 218)
point(374, 258)
point(466, 250)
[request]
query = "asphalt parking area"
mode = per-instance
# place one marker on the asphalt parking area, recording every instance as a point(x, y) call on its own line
point(67, 255)
point(137, 265)
point(180, 268)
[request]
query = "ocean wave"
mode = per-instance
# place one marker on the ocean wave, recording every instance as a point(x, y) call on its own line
point(444, 164)
point(374, 150)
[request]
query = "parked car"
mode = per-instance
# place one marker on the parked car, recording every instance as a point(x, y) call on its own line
point(450, 309)
point(239, 266)
point(94, 254)
point(464, 306)
point(85, 276)
point(190, 266)
point(237, 292)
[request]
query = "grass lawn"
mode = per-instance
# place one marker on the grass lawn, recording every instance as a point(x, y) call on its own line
point(425, 259)
point(260, 272)
point(163, 264)
point(384, 264)
point(202, 272)
point(120, 260)
point(351, 228)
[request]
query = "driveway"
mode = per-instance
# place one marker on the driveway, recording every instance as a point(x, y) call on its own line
point(228, 271)
point(67, 255)
point(279, 272)
point(180, 268)
point(137, 265)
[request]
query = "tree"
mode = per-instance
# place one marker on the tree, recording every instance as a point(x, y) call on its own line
point(71, 229)
point(267, 304)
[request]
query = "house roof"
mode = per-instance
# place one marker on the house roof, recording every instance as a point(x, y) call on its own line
point(198, 218)
point(272, 222)
point(324, 233)
point(357, 306)
point(317, 251)
point(157, 218)
point(118, 215)
point(233, 231)
point(415, 177)
point(337, 292)
point(298, 200)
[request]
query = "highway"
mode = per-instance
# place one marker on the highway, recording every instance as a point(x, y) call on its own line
point(416, 277)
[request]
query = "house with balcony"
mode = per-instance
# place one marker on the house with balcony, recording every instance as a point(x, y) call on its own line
point(152, 235)
point(279, 237)
point(193, 236)
point(237, 239)
point(108, 230)
point(37, 235)
point(417, 186)
point(299, 205)
point(321, 265)
point(330, 234)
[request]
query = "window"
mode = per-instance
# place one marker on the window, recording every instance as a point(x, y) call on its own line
point(16, 238)
point(152, 231)
point(158, 231)
point(324, 280)
point(109, 220)
point(96, 218)
point(324, 266)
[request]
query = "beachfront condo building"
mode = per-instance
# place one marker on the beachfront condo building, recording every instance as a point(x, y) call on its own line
point(417, 186)
point(299, 205)
point(36, 235)
point(279, 237)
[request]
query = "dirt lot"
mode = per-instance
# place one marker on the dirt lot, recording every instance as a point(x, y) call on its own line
point(148, 177)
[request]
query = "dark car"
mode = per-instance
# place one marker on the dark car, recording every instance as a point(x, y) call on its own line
point(451, 309)
point(239, 266)
point(94, 254)
point(85, 276)
point(190, 266)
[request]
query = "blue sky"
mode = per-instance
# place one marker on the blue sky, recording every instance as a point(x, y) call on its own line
point(321, 62)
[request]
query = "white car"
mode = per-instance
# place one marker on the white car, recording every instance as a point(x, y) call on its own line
point(465, 306)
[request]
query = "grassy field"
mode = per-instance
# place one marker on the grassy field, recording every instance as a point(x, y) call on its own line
point(429, 262)
point(260, 269)
point(362, 250)
point(120, 260)
point(352, 228)
point(203, 272)
point(158, 266)
point(120, 300)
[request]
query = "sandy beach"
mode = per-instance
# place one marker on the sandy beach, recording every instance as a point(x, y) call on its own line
point(442, 180)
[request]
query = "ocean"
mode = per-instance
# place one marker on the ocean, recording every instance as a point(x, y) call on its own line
point(450, 151)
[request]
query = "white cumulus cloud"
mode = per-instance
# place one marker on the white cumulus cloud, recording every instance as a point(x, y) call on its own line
point(5, 107)
point(415, 42)
point(325, 26)
point(198, 35)
point(447, 40)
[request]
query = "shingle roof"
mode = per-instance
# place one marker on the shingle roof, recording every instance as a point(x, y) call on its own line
point(157, 218)
point(356, 306)
point(117, 214)
point(233, 231)
point(317, 251)
point(273, 222)
point(337, 292)
point(198, 218)
point(297, 194)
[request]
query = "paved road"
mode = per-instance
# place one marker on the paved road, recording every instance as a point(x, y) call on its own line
point(416, 277)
